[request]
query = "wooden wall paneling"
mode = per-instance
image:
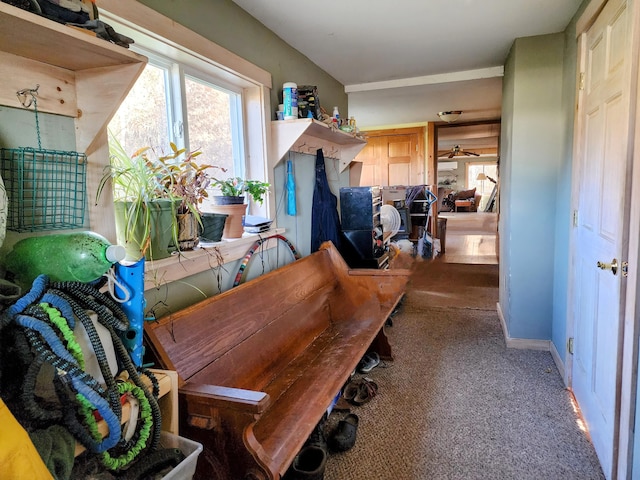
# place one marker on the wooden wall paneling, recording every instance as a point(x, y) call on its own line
point(369, 158)
point(401, 151)
point(392, 157)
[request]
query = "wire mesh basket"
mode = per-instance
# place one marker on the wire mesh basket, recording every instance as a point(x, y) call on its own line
point(46, 189)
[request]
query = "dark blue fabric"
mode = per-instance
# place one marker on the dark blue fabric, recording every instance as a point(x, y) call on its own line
point(325, 222)
point(60, 14)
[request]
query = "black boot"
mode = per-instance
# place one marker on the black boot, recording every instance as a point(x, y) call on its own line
point(311, 460)
point(309, 464)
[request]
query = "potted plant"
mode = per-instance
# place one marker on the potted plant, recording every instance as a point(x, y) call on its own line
point(188, 182)
point(233, 189)
point(231, 201)
point(146, 199)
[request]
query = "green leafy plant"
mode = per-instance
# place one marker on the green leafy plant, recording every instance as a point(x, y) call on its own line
point(144, 177)
point(136, 177)
point(137, 181)
point(185, 179)
point(237, 186)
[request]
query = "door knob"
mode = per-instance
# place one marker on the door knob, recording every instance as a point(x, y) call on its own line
point(613, 266)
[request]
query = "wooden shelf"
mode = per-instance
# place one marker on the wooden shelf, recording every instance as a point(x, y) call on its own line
point(307, 135)
point(31, 36)
point(79, 75)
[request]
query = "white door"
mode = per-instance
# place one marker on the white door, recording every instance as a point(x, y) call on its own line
point(597, 295)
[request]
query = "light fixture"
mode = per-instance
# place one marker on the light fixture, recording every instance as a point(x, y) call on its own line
point(481, 176)
point(451, 116)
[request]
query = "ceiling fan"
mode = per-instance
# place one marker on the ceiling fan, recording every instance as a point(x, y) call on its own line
point(457, 151)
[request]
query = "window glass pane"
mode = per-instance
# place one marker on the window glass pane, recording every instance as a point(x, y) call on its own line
point(210, 125)
point(141, 120)
point(448, 175)
point(485, 187)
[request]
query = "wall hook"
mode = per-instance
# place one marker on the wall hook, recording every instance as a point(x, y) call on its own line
point(27, 96)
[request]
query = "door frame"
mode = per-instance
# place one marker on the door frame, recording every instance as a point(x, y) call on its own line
point(630, 326)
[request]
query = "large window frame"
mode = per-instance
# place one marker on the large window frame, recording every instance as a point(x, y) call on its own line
point(180, 67)
point(190, 49)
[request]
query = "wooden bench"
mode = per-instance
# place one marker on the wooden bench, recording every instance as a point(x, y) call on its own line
point(260, 364)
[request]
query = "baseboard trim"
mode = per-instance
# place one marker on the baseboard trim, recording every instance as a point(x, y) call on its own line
point(521, 343)
point(558, 361)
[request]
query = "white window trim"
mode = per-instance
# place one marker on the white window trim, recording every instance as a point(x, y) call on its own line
point(256, 85)
point(144, 19)
point(178, 42)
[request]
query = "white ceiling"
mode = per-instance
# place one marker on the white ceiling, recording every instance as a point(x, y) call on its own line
point(402, 61)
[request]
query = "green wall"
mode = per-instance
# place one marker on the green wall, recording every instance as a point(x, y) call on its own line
point(226, 24)
point(531, 154)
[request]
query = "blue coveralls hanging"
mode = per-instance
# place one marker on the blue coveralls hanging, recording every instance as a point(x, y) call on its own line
point(325, 222)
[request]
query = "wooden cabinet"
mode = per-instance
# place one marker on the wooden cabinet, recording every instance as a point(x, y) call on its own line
point(391, 157)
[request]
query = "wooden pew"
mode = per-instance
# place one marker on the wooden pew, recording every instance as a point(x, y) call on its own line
point(258, 365)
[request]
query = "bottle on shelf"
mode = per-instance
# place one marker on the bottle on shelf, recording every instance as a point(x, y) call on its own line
point(79, 256)
point(290, 100)
point(336, 115)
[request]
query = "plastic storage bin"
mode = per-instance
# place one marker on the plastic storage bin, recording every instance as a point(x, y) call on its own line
point(191, 450)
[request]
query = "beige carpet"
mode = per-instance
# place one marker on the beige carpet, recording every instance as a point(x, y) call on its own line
point(455, 403)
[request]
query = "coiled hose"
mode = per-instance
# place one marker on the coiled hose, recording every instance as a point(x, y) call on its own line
point(46, 315)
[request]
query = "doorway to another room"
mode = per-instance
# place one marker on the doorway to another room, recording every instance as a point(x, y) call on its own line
point(467, 179)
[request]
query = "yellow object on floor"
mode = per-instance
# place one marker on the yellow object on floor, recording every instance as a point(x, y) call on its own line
point(18, 457)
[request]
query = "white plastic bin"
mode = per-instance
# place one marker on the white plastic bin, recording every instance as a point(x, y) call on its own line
point(191, 450)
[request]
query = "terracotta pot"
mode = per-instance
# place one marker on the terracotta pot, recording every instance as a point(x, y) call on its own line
point(233, 226)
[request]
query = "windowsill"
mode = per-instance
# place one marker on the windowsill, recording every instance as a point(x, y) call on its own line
point(209, 256)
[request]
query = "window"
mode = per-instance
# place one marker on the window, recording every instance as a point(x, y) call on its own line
point(168, 105)
point(213, 125)
point(485, 187)
point(176, 53)
point(143, 117)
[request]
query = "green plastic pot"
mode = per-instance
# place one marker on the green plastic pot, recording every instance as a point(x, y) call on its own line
point(213, 226)
point(162, 222)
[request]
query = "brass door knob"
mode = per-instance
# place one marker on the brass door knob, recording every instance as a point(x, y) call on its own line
point(613, 266)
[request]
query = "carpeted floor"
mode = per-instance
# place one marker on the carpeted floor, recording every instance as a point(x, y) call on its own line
point(455, 403)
